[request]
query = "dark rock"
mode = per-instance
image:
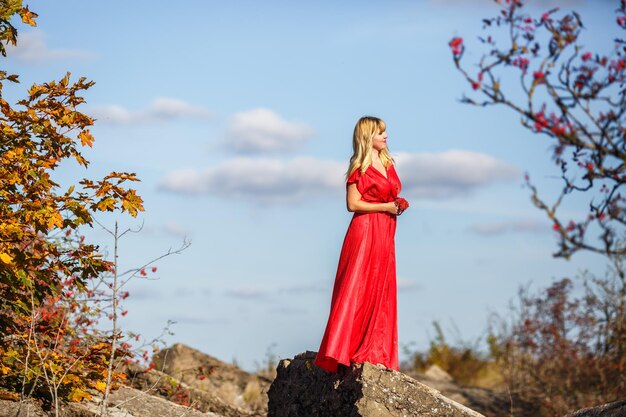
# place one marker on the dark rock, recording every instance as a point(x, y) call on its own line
point(301, 389)
point(614, 409)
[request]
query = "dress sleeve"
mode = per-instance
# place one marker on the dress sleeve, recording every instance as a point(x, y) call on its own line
point(354, 177)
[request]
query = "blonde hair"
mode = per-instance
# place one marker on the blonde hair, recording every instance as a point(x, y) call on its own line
point(366, 128)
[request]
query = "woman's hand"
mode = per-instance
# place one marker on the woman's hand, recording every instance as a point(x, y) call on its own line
point(392, 208)
point(355, 204)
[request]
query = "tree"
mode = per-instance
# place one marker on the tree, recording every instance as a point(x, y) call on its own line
point(45, 264)
point(574, 97)
point(564, 350)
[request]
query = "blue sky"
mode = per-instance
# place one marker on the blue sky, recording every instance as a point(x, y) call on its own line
point(237, 117)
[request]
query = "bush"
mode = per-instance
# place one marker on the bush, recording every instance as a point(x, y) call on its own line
point(463, 362)
point(566, 350)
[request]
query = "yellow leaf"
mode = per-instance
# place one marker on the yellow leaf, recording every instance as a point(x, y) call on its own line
point(55, 220)
point(65, 80)
point(100, 386)
point(36, 90)
point(71, 379)
point(78, 395)
point(12, 354)
point(28, 17)
point(100, 346)
point(132, 203)
point(86, 138)
point(4, 369)
point(6, 258)
point(107, 204)
point(79, 158)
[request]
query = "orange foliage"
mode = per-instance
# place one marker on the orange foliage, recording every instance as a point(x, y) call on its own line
point(45, 266)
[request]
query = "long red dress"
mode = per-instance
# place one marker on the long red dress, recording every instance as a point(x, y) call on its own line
point(362, 324)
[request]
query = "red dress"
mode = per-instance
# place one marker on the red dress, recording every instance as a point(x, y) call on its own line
point(362, 324)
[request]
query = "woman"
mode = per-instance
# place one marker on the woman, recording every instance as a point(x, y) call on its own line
point(362, 324)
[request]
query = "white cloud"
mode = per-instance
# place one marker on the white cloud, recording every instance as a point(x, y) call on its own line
point(269, 180)
point(261, 179)
point(451, 173)
point(31, 48)
point(160, 109)
point(262, 130)
point(499, 228)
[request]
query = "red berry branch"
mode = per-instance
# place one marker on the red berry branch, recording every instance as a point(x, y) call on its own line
point(576, 99)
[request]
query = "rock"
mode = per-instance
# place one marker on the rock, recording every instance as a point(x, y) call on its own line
point(438, 374)
point(301, 389)
point(490, 402)
point(130, 402)
point(238, 389)
point(614, 409)
point(124, 402)
point(166, 386)
point(9, 408)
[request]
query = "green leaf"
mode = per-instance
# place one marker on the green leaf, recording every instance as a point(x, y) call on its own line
point(23, 277)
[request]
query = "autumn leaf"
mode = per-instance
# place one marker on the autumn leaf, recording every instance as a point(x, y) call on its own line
point(28, 17)
point(6, 258)
point(35, 91)
point(77, 395)
point(71, 379)
point(79, 158)
point(56, 220)
point(132, 203)
point(100, 386)
point(86, 138)
point(21, 274)
point(108, 204)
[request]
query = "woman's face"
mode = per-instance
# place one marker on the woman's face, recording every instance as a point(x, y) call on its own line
point(379, 141)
